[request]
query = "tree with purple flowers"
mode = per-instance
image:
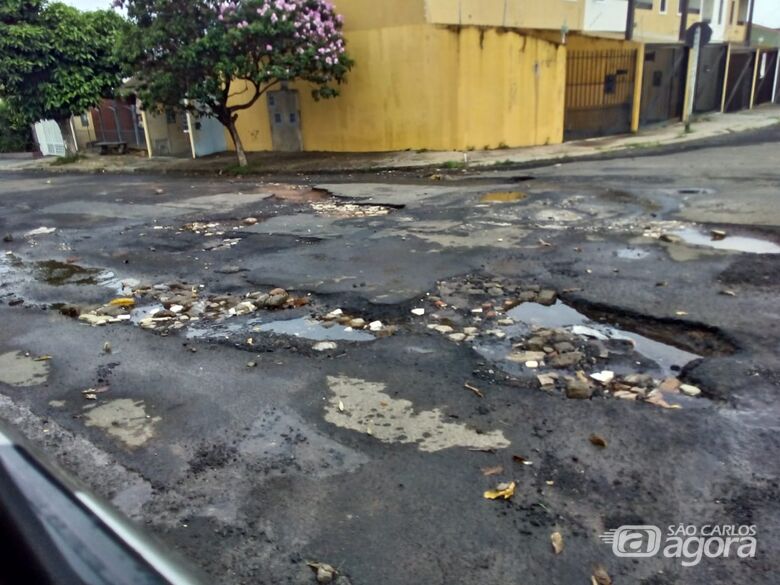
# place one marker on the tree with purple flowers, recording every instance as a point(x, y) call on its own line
point(217, 57)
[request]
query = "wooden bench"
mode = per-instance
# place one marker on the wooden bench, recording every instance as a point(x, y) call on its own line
point(109, 147)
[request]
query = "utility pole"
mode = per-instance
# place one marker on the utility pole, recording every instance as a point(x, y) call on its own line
point(630, 16)
point(749, 31)
point(684, 18)
point(693, 70)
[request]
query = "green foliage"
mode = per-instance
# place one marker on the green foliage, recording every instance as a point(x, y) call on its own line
point(15, 135)
point(68, 159)
point(222, 56)
point(56, 61)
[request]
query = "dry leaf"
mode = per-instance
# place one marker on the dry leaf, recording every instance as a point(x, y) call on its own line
point(598, 440)
point(488, 471)
point(521, 460)
point(474, 389)
point(556, 538)
point(600, 576)
point(43, 358)
point(503, 490)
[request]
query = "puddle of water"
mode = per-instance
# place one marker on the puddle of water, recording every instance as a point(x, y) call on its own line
point(309, 328)
point(632, 253)
point(364, 406)
point(21, 371)
point(563, 316)
point(124, 419)
point(503, 197)
point(734, 243)
point(56, 273)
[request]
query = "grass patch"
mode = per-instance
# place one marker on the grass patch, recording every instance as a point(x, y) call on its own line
point(68, 159)
point(454, 164)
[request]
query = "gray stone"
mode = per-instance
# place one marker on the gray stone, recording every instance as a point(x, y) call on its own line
point(564, 347)
point(566, 360)
point(578, 389)
point(547, 297)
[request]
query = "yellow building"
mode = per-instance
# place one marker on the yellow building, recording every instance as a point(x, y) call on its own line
point(472, 74)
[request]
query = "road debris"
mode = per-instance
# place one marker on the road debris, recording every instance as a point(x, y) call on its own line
point(598, 440)
point(474, 389)
point(600, 576)
point(488, 471)
point(556, 538)
point(41, 231)
point(502, 491)
point(325, 573)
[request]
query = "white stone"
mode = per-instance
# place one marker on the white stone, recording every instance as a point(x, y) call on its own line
point(324, 346)
point(604, 377)
point(690, 390)
point(418, 312)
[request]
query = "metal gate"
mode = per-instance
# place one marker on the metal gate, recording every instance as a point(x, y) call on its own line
point(710, 78)
point(599, 93)
point(663, 83)
point(740, 80)
point(765, 82)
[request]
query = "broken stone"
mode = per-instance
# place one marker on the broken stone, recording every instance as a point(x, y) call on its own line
point(536, 343)
point(41, 231)
point(671, 239)
point(564, 347)
point(470, 330)
point(94, 320)
point(324, 346)
point(357, 323)
point(526, 356)
point(718, 235)
point(497, 333)
point(547, 297)
point(604, 377)
point(566, 360)
point(505, 322)
point(670, 385)
point(375, 326)
point(690, 390)
point(249, 221)
point(625, 395)
point(333, 315)
point(251, 364)
point(527, 296)
point(276, 298)
point(533, 364)
point(577, 388)
point(418, 312)
point(641, 380)
point(546, 380)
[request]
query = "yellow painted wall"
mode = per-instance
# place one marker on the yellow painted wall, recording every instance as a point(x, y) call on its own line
point(166, 139)
point(529, 14)
point(653, 26)
point(84, 134)
point(365, 14)
point(432, 87)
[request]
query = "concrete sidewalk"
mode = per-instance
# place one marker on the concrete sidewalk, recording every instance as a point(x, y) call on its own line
point(705, 126)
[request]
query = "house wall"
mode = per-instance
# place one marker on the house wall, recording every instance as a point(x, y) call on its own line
point(431, 87)
point(166, 139)
point(84, 133)
point(362, 14)
point(528, 14)
point(605, 16)
point(655, 26)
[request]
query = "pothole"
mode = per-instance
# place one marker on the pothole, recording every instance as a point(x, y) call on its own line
point(366, 407)
point(746, 244)
point(503, 197)
point(123, 419)
point(23, 371)
point(632, 253)
point(309, 328)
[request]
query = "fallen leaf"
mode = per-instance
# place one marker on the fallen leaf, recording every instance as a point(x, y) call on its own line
point(521, 460)
point(503, 490)
point(474, 389)
point(556, 538)
point(122, 302)
point(488, 471)
point(598, 440)
point(341, 406)
point(600, 576)
point(43, 358)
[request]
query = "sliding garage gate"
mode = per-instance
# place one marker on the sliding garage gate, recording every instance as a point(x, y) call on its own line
point(599, 93)
point(663, 83)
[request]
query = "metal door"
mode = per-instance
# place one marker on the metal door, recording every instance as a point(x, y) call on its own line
point(663, 83)
point(285, 116)
point(709, 78)
point(740, 80)
point(599, 93)
point(765, 82)
point(49, 138)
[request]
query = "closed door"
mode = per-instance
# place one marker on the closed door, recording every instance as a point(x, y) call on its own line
point(284, 113)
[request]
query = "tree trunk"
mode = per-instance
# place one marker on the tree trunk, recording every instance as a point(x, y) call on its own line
point(240, 154)
point(68, 138)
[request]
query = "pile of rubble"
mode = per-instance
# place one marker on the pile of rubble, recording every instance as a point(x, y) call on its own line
point(339, 317)
point(334, 208)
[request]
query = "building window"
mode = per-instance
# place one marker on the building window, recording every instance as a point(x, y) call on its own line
point(645, 4)
point(663, 6)
point(85, 120)
point(742, 16)
point(733, 8)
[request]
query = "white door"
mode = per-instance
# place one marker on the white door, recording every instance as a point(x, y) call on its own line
point(49, 137)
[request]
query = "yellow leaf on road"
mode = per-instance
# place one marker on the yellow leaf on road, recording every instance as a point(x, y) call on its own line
point(556, 538)
point(503, 490)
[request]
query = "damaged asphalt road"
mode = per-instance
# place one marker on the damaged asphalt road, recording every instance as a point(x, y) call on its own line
point(332, 371)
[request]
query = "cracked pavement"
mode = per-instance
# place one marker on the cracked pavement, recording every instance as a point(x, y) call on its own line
point(252, 458)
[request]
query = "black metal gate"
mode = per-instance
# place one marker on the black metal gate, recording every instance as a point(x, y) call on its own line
point(739, 85)
point(765, 82)
point(710, 78)
point(663, 83)
point(599, 93)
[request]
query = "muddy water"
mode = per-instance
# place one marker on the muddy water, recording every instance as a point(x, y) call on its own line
point(561, 315)
point(744, 244)
point(309, 328)
point(123, 419)
point(21, 371)
point(503, 197)
point(365, 407)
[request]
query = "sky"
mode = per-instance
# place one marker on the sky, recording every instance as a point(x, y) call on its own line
point(767, 11)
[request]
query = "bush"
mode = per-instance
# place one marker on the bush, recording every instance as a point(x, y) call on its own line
point(14, 135)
